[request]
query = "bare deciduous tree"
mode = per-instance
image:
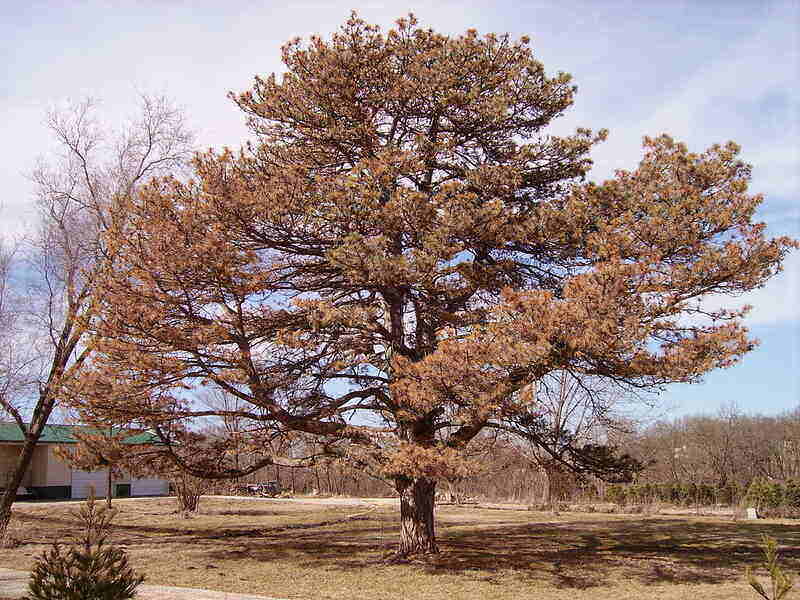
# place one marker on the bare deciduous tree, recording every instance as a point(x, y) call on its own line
point(15, 355)
point(74, 192)
point(569, 428)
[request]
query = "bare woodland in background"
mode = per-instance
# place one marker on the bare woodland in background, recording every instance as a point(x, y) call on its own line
point(730, 450)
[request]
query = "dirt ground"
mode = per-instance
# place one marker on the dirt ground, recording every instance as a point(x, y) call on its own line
point(314, 550)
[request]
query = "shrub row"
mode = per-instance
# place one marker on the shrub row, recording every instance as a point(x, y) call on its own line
point(675, 493)
point(760, 493)
point(771, 494)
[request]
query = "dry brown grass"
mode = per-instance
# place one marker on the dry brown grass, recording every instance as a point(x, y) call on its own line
point(307, 551)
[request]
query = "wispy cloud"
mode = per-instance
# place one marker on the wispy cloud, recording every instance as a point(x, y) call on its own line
point(742, 87)
point(775, 304)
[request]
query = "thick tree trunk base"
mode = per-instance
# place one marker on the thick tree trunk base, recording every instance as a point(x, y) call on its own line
point(417, 532)
point(12, 483)
point(5, 534)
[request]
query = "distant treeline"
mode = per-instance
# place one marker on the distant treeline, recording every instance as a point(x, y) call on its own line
point(730, 448)
point(726, 459)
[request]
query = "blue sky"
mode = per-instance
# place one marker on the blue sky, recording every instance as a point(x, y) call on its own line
point(703, 72)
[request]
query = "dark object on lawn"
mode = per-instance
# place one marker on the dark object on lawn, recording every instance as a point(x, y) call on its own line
point(91, 570)
point(265, 488)
point(23, 493)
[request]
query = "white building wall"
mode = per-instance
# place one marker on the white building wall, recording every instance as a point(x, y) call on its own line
point(58, 472)
point(82, 481)
point(149, 487)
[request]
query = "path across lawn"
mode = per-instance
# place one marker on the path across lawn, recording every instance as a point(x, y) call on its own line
point(14, 584)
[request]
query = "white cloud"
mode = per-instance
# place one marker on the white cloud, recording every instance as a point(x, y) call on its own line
point(776, 303)
point(194, 53)
point(733, 97)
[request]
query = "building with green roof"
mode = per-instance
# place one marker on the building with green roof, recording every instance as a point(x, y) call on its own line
point(49, 477)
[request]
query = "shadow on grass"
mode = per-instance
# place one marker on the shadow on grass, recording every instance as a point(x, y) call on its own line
point(576, 555)
point(71, 524)
point(245, 513)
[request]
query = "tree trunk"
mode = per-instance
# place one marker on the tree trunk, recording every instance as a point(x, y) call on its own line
point(417, 535)
point(5, 519)
point(10, 492)
point(110, 488)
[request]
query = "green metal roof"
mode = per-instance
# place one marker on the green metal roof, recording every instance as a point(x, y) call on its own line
point(62, 434)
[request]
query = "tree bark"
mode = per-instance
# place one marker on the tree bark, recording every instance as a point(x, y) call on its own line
point(5, 519)
point(109, 488)
point(417, 534)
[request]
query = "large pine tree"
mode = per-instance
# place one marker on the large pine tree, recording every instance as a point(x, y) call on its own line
point(405, 250)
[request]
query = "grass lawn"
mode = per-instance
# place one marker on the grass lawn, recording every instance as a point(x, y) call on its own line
point(304, 551)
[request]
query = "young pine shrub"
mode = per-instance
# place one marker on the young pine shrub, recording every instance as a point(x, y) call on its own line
point(756, 494)
point(781, 584)
point(792, 493)
point(91, 570)
point(616, 494)
point(791, 499)
point(730, 494)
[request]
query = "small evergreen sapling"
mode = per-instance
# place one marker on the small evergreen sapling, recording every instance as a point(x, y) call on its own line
point(781, 584)
point(91, 570)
